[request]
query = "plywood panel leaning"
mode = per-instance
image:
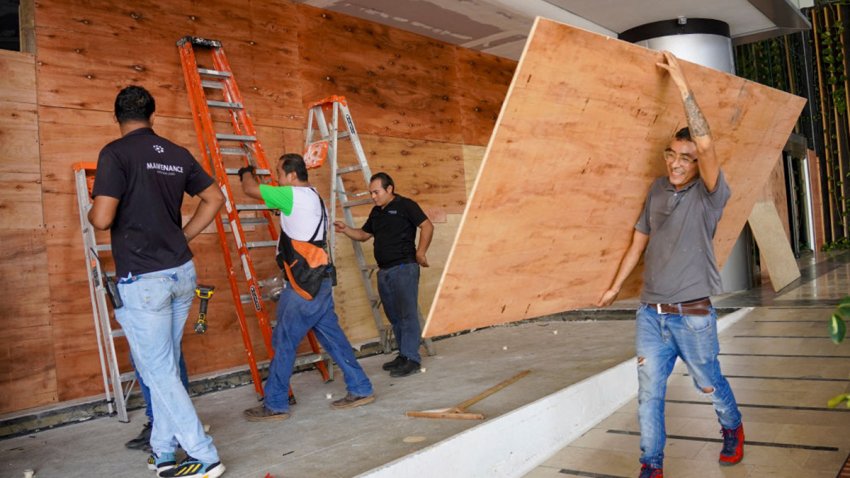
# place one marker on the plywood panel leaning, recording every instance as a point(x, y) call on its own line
point(771, 236)
point(575, 149)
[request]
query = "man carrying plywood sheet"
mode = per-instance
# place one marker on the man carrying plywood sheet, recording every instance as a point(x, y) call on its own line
point(676, 318)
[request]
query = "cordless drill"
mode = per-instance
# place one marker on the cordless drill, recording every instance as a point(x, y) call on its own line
point(205, 293)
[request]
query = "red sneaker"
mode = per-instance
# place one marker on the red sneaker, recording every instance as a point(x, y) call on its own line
point(733, 445)
point(647, 471)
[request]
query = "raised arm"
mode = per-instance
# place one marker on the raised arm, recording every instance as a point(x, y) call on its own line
point(709, 167)
point(250, 185)
point(627, 265)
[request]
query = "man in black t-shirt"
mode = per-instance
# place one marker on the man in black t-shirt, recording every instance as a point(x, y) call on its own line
point(393, 222)
point(138, 192)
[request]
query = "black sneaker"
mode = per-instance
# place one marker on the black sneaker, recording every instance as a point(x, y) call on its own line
point(191, 467)
point(398, 360)
point(141, 441)
point(407, 368)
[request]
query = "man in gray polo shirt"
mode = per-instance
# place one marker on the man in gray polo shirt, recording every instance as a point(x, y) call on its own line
point(676, 318)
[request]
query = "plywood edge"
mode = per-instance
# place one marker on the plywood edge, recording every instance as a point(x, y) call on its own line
point(426, 330)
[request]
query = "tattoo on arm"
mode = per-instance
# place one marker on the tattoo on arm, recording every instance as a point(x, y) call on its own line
point(696, 121)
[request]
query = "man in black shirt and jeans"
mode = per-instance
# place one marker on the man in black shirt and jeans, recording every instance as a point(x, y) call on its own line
point(393, 221)
point(138, 192)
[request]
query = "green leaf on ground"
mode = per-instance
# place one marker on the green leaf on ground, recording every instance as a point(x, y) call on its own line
point(836, 401)
point(837, 328)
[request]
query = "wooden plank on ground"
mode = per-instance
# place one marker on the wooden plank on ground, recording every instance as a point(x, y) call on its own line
point(574, 151)
point(770, 235)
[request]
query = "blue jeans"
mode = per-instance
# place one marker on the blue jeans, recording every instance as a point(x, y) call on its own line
point(660, 339)
point(398, 287)
point(146, 391)
point(156, 306)
point(295, 317)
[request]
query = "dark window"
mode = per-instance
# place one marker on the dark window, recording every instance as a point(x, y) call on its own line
point(10, 28)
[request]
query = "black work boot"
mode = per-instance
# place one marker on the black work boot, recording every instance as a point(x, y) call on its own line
point(398, 360)
point(143, 440)
point(406, 368)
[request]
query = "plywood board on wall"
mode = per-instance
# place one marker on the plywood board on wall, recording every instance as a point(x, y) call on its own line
point(574, 151)
point(397, 83)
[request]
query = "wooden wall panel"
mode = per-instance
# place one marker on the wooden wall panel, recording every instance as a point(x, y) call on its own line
point(27, 365)
point(428, 172)
point(89, 51)
point(482, 82)
point(397, 83)
point(407, 93)
point(564, 178)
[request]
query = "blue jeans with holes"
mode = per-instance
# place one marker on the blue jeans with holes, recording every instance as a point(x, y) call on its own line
point(398, 287)
point(146, 391)
point(156, 306)
point(660, 339)
point(295, 317)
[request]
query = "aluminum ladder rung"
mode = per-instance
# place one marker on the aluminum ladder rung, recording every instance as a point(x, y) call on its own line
point(253, 220)
point(231, 105)
point(257, 244)
point(235, 171)
point(127, 376)
point(103, 247)
point(343, 135)
point(349, 169)
point(233, 151)
point(235, 137)
point(252, 207)
point(214, 73)
point(308, 359)
point(357, 202)
point(212, 84)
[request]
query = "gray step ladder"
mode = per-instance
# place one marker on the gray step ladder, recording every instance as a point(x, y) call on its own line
point(322, 141)
point(117, 386)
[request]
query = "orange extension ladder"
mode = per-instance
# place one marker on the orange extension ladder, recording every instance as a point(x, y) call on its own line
point(214, 87)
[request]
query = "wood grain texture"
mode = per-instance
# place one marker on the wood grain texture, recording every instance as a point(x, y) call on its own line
point(397, 83)
point(771, 236)
point(88, 51)
point(18, 77)
point(565, 175)
point(431, 173)
point(27, 361)
point(482, 82)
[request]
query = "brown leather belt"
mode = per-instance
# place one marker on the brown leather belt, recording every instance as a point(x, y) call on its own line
point(694, 307)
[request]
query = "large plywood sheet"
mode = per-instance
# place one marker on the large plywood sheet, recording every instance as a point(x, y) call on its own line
point(577, 144)
point(770, 234)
